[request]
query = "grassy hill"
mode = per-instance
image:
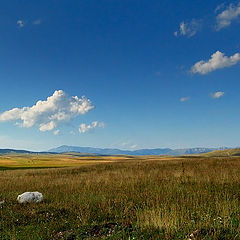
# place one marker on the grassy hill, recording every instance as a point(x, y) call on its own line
point(223, 153)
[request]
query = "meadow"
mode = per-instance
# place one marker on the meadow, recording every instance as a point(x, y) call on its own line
point(124, 197)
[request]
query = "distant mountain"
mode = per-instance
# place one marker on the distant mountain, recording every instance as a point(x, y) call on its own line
point(9, 151)
point(111, 151)
point(5, 151)
point(114, 151)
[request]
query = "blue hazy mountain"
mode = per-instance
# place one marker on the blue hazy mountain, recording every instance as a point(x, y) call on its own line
point(7, 151)
point(113, 151)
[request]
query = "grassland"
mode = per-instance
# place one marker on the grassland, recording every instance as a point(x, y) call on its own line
point(18, 161)
point(122, 198)
point(224, 153)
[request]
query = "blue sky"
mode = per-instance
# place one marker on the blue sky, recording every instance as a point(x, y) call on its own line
point(154, 73)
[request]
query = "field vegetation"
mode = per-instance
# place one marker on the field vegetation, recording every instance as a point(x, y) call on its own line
point(122, 198)
point(21, 161)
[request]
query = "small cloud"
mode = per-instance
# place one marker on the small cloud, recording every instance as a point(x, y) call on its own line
point(56, 132)
point(227, 16)
point(188, 29)
point(134, 146)
point(83, 128)
point(123, 144)
point(48, 114)
point(219, 7)
point(217, 61)
point(47, 126)
point(20, 23)
point(184, 99)
point(128, 144)
point(37, 22)
point(217, 95)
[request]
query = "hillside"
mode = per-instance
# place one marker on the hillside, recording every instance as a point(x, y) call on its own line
point(223, 153)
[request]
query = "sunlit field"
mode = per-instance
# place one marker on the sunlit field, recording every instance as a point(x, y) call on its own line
point(121, 197)
point(18, 161)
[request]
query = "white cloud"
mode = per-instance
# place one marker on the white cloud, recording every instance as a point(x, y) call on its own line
point(188, 29)
point(217, 61)
point(128, 144)
point(217, 94)
point(134, 146)
point(37, 22)
point(20, 23)
point(225, 18)
point(184, 99)
point(219, 7)
point(85, 128)
point(46, 115)
point(47, 126)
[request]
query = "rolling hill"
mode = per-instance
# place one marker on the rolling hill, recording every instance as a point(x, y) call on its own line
point(223, 153)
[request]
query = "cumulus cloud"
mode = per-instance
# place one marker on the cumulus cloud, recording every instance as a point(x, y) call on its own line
point(20, 23)
point(184, 99)
point(225, 18)
point(48, 114)
point(217, 61)
point(85, 128)
point(217, 95)
point(188, 29)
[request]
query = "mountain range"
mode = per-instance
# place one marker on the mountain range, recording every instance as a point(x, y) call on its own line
point(114, 151)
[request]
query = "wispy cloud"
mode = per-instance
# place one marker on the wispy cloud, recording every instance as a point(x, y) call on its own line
point(188, 29)
point(83, 128)
point(217, 61)
point(37, 22)
point(56, 132)
point(134, 146)
point(175, 33)
point(219, 7)
point(48, 114)
point(227, 16)
point(217, 94)
point(184, 99)
point(20, 23)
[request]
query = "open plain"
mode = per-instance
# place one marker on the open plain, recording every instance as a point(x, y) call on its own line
point(120, 197)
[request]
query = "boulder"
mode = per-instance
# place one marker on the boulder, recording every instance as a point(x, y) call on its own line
point(30, 197)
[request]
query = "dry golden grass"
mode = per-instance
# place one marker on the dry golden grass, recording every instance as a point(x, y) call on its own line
point(223, 153)
point(51, 160)
point(128, 198)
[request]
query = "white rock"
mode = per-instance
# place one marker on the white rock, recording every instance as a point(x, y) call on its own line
point(2, 202)
point(29, 197)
